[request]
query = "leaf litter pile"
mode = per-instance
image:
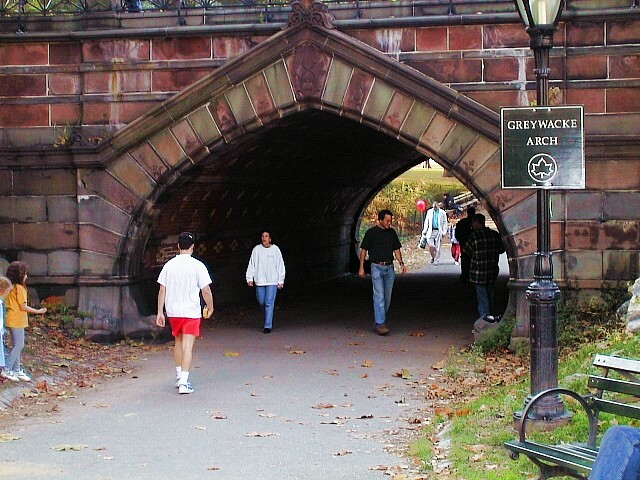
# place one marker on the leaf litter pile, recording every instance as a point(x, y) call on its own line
point(455, 381)
point(61, 364)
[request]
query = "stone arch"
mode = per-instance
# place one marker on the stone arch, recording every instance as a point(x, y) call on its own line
point(308, 70)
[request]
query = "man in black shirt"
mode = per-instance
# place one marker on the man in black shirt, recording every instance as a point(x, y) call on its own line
point(383, 245)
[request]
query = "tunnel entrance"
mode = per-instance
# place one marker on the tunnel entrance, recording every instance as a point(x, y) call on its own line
point(299, 133)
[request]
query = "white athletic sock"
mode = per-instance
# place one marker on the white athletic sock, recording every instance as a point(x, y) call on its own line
point(184, 378)
point(178, 371)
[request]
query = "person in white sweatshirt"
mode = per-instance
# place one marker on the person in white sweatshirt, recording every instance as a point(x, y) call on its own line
point(266, 272)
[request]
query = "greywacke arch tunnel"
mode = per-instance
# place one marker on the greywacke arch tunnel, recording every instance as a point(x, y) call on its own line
point(298, 133)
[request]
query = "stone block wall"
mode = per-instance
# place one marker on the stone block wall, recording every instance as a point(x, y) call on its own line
point(81, 207)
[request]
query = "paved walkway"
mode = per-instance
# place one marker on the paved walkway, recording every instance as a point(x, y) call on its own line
point(263, 414)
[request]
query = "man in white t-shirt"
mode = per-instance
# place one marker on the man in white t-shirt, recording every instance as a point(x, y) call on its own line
point(181, 280)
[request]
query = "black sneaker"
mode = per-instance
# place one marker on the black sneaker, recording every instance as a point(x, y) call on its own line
point(489, 318)
point(266, 330)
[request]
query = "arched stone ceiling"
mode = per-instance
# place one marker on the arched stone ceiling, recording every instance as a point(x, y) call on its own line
point(299, 132)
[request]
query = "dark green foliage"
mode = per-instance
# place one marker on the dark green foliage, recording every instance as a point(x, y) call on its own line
point(589, 319)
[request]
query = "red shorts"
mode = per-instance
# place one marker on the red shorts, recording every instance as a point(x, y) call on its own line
point(182, 325)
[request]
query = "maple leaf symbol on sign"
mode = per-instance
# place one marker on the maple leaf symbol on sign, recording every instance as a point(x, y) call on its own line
point(542, 168)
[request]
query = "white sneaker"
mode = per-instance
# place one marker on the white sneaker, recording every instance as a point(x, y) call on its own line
point(22, 375)
point(177, 382)
point(456, 262)
point(10, 375)
point(185, 388)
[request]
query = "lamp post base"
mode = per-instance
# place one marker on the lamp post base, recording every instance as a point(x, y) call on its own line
point(542, 424)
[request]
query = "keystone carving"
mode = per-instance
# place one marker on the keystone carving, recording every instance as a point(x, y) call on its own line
point(311, 13)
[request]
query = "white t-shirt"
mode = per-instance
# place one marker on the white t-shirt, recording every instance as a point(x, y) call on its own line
point(266, 266)
point(184, 277)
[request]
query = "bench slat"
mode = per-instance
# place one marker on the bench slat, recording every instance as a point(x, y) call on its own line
point(616, 408)
point(614, 385)
point(617, 363)
point(553, 455)
point(578, 450)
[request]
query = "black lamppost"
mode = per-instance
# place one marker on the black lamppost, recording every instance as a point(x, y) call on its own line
point(541, 18)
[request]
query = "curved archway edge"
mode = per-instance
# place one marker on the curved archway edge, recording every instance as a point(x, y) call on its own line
point(307, 66)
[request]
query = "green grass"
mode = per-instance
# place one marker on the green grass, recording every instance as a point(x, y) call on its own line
point(431, 175)
point(489, 421)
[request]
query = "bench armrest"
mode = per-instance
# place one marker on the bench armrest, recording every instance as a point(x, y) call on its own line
point(593, 422)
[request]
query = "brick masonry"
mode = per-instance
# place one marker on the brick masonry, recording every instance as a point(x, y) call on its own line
point(172, 162)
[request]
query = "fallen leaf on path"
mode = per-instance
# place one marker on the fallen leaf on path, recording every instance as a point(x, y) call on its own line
point(342, 453)
point(229, 353)
point(320, 406)
point(332, 372)
point(364, 417)
point(213, 468)
point(364, 375)
point(332, 422)
point(259, 434)
point(28, 393)
point(380, 468)
point(42, 386)
point(404, 373)
point(297, 352)
point(267, 415)
point(8, 437)
point(200, 428)
point(438, 366)
point(416, 334)
point(367, 364)
point(68, 448)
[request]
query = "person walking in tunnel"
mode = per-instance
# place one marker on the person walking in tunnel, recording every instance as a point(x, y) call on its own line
point(455, 244)
point(463, 230)
point(266, 272)
point(435, 226)
point(484, 247)
point(382, 245)
point(181, 280)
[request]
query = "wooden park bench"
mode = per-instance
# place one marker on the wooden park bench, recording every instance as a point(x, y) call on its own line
point(618, 396)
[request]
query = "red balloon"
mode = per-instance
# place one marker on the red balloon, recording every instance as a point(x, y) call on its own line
point(421, 205)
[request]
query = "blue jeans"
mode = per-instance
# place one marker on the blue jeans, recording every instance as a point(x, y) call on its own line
point(17, 340)
point(619, 455)
point(266, 296)
point(382, 277)
point(484, 293)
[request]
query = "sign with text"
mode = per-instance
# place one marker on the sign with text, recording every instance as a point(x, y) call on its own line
point(542, 147)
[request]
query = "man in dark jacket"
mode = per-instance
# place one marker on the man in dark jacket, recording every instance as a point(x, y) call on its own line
point(484, 247)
